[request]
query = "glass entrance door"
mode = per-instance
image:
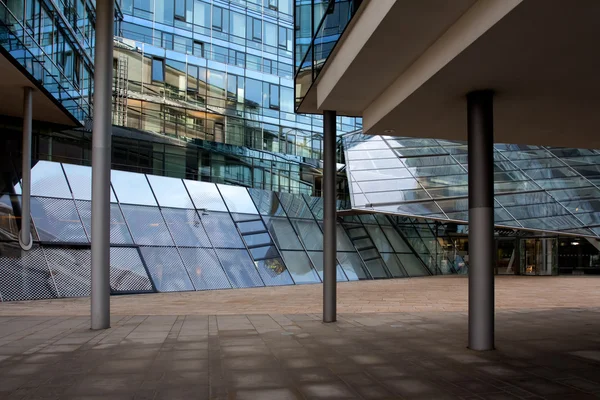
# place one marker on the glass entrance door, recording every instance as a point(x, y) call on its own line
point(539, 256)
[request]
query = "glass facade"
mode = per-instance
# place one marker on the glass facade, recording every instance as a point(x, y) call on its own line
point(318, 27)
point(54, 42)
point(219, 71)
point(170, 234)
point(536, 188)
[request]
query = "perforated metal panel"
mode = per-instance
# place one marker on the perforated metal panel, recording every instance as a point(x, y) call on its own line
point(24, 275)
point(127, 273)
point(221, 230)
point(56, 220)
point(186, 227)
point(204, 268)
point(239, 268)
point(147, 225)
point(71, 269)
point(119, 234)
point(166, 268)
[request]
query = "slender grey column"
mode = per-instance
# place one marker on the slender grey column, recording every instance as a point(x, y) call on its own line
point(481, 220)
point(329, 217)
point(25, 238)
point(101, 138)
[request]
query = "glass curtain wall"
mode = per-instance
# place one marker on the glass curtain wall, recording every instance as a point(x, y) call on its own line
point(214, 70)
point(170, 234)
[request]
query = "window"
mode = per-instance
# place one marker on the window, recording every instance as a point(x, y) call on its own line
point(167, 41)
point(198, 48)
point(217, 18)
point(158, 69)
point(267, 65)
point(180, 10)
point(274, 97)
point(282, 38)
point(270, 34)
point(256, 29)
point(273, 4)
point(238, 24)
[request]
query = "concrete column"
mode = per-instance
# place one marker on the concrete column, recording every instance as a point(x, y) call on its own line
point(101, 142)
point(25, 238)
point(329, 217)
point(481, 220)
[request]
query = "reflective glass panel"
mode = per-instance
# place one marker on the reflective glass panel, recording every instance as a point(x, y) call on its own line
point(317, 259)
point(393, 265)
point(274, 272)
point(379, 238)
point(80, 180)
point(127, 273)
point(57, 220)
point(239, 268)
point(258, 239)
point(259, 253)
point(204, 269)
point(342, 239)
point(397, 242)
point(412, 265)
point(132, 188)
point(283, 234)
point(221, 230)
point(237, 198)
point(186, 227)
point(147, 225)
point(166, 269)
point(251, 226)
point(294, 205)
point(300, 267)
point(119, 232)
point(205, 195)
point(170, 192)
point(316, 206)
point(376, 268)
point(309, 233)
point(48, 180)
point(267, 202)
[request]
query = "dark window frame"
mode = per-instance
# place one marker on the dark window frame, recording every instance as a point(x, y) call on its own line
point(178, 16)
point(162, 63)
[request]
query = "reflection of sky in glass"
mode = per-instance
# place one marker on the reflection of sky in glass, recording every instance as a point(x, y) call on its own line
point(80, 180)
point(205, 195)
point(238, 200)
point(48, 179)
point(132, 188)
point(428, 177)
point(170, 192)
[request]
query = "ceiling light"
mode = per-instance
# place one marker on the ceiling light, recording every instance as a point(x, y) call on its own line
point(389, 131)
point(575, 243)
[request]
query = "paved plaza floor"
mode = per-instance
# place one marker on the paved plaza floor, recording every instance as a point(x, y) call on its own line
point(402, 339)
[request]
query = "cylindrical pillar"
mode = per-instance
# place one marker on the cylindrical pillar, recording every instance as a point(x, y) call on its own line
point(329, 217)
point(481, 219)
point(25, 238)
point(101, 142)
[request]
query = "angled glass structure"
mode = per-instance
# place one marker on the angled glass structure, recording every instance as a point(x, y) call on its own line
point(173, 234)
point(536, 188)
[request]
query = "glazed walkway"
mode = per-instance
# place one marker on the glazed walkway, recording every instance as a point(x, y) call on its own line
point(275, 347)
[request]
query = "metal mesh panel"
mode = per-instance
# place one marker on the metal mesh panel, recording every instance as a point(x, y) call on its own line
point(204, 268)
point(56, 220)
point(186, 227)
point(239, 268)
point(221, 230)
point(48, 179)
point(24, 275)
point(9, 229)
point(71, 269)
point(119, 234)
point(147, 225)
point(166, 268)
point(127, 273)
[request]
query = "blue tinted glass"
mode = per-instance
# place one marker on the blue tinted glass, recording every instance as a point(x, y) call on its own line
point(300, 267)
point(239, 268)
point(166, 269)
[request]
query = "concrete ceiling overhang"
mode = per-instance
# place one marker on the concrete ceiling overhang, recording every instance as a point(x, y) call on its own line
point(12, 83)
point(411, 75)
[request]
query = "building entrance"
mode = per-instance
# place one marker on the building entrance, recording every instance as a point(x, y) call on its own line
point(539, 256)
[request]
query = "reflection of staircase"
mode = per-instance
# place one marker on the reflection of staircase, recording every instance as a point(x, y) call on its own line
point(367, 250)
point(120, 94)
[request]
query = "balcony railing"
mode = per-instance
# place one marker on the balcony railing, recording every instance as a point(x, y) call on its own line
point(327, 33)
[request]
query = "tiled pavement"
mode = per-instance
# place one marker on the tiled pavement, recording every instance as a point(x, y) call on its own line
point(542, 351)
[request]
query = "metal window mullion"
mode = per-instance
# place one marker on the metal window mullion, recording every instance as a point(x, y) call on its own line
point(358, 252)
point(392, 247)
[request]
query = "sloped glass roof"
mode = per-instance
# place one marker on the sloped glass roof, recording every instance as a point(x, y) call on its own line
point(536, 187)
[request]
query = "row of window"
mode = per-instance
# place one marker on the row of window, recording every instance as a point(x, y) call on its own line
point(184, 10)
